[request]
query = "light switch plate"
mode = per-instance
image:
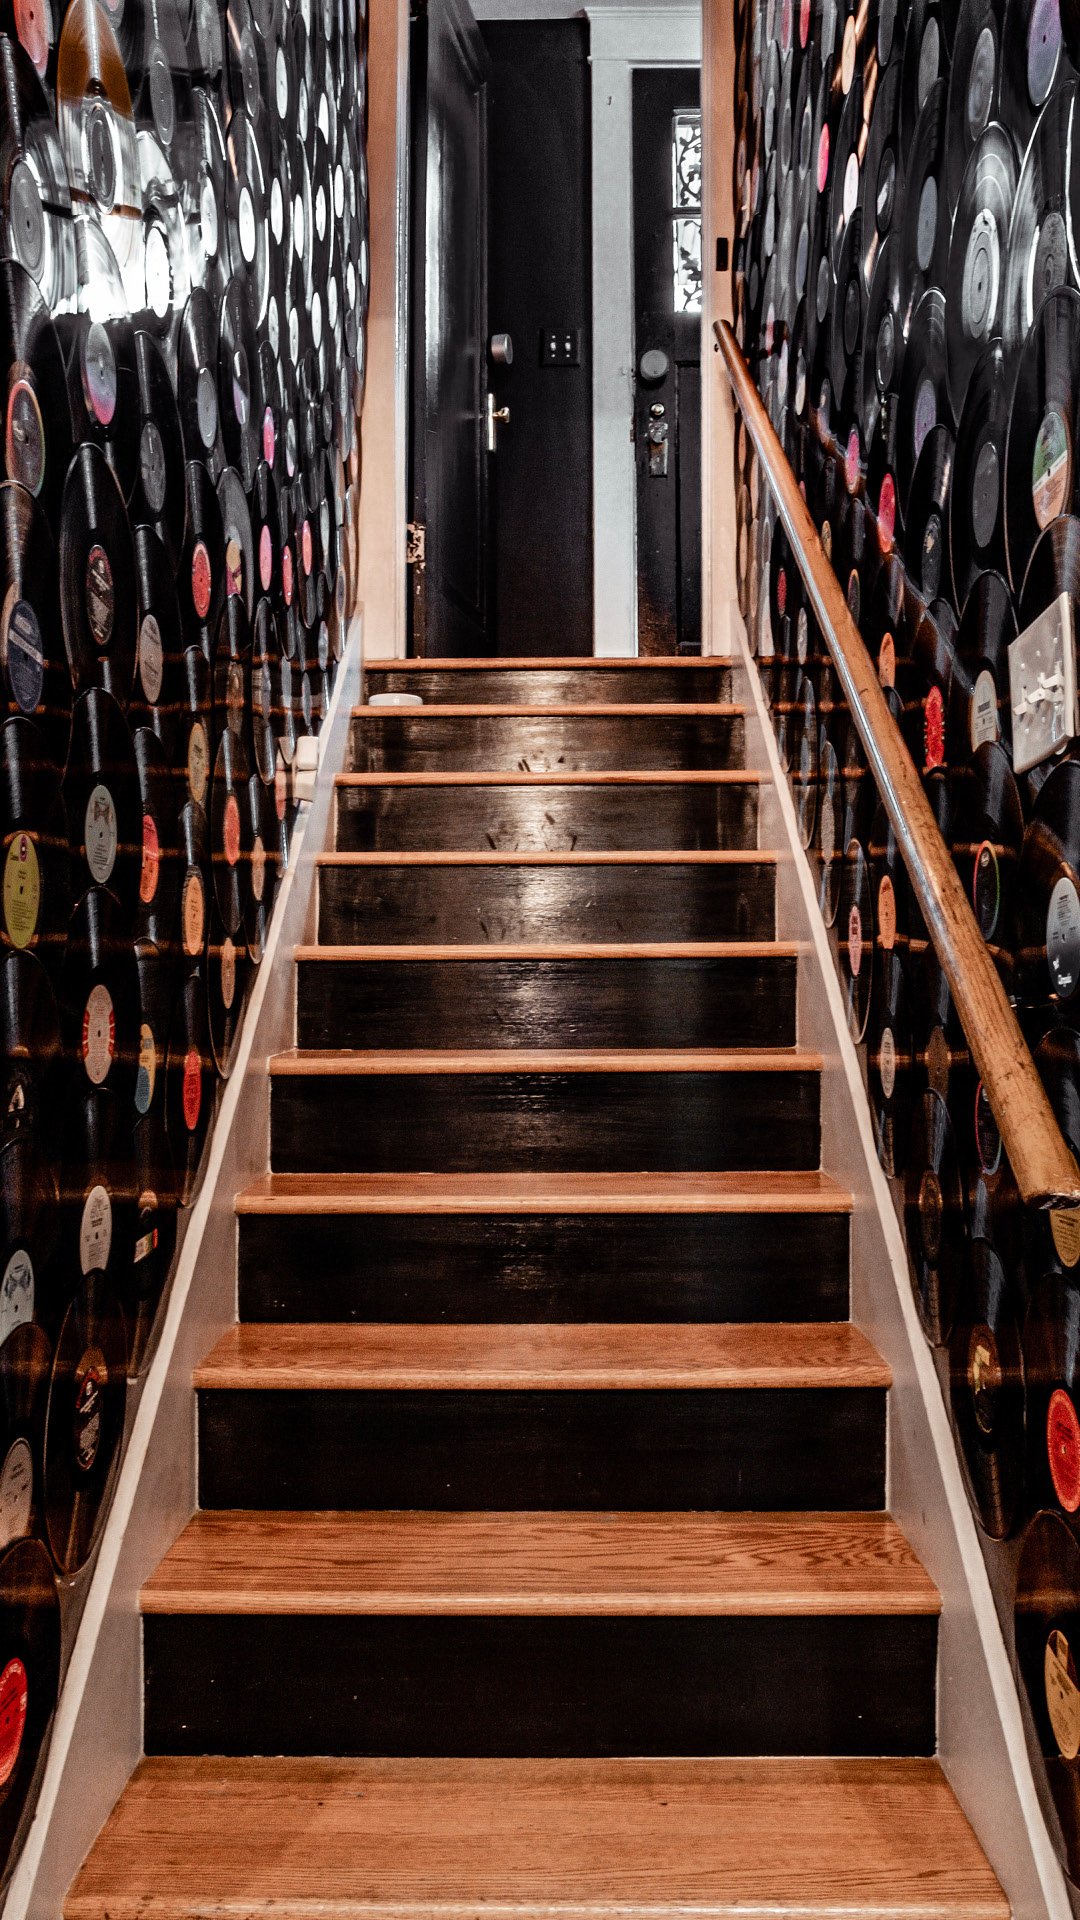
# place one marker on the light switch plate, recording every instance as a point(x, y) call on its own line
point(1042, 685)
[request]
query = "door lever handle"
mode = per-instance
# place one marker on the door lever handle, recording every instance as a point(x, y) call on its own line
point(494, 415)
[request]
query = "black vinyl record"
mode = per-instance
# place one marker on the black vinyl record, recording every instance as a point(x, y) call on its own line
point(197, 383)
point(1046, 1624)
point(979, 708)
point(986, 845)
point(205, 193)
point(1042, 456)
point(189, 1084)
point(804, 757)
point(974, 86)
point(239, 400)
point(975, 277)
point(1031, 63)
point(37, 443)
point(29, 1049)
point(830, 829)
point(230, 831)
point(29, 1236)
point(97, 1196)
point(265, 863)
point(158, 498)
point(986, 1391)
point(87, 1399)
point(164, 276)
point(102, 378)
point(976, 511)
point(924, 400)
point(245, 202)
point(195, 756)
point(890, 1060)
point(201, 583)
point(155, 1187)
point(845, 329)
point(29, 1675)
point(927, 517)
point(194, 839)
point(159, 876)
point(1047, 890)
point(924, 231)
point(25, 1366)
point(158, 698)
point(880, 176)
point(1051, 1344)
point(1054, 567)
point(935, 1218)
point(883, 352)
point(925, 60)
point(97, 133)
point(228, 970)
point(855, 920)
point(98, 599)
point(238, 538)
point(98, 995)
point(36, 677)
point(1037, 258)
point(35, 892)
point(102, 796)
point(232, 671)
point(36, 226)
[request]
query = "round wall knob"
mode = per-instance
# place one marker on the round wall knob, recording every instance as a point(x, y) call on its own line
point(654, 366)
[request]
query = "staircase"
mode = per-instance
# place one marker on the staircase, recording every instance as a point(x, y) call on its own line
point(543, 1478)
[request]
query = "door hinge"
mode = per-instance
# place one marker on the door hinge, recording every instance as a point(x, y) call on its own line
point(414, 544)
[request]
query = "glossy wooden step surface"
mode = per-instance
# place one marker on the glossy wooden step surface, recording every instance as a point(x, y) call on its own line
point(388, 1356)
point(658, 994)
point(544, 1193)
point(740, 1565)
point(346, 1063)
point(544, 680)
point(441, 898)
point(537, 812)
point(556, 738)
point(718, 1839)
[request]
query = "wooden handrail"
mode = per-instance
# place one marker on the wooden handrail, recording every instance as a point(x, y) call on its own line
point(1042, 1165)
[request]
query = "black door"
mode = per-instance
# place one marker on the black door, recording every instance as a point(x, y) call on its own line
point(448, 333)
point(667, 337)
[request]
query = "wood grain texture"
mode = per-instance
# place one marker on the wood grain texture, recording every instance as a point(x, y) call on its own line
point(721, 1839)
point(611, 710)
point(726, 857)
point(571, 662)
point(566, 950)
point(541, 1563)
point(297, 1064)
point(386, 1357)
point(539, 1193)
point(676, 776)
point(534, 814)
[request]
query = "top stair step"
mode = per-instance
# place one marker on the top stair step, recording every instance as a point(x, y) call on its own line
point(569, 738)
point(547, 681)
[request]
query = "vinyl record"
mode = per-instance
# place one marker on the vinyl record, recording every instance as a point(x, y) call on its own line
point(35, 892)
point(842, 192)
point(804, 756)
point(102, 797)
point(232, 672)
point(986, 846)
point(1042, 457)
point(856, 938)
point(974, 86)
point(157, 498)
point(846, 332)
point(924, 230)
point(98, 996)
point(924, 402)
point(927, 518)
point(230, 830)
point(194, 841)
point(986, 1391)
point(158, 698)
point(25, 1366)
point(29, 1675)
point(163, 270)
point(980, 709)
point(204, 197)
point(195, 756)
point(30, 1053)
point(974, 281)
point(97, 578)
point(1051, 1348)
point(35, 205)
point(87, 1398)
point(155, 1223)
point(189, 1084)
point(1047, 1629)
point(228, 970)
point(925, 60)
point(97, 133)
point(890, 1060)
point(197, 383)
point(36, 681)
point(29, 1236)
point(976, 513)
point(265, 861)
point(245, 203)
point(159, 876)
point(240, 571)
point(1054, 568)
point(1037, 258)
point(880, 177)
point(201, 579)
point(1031, 63)
point(38, 432)
point(935, 1218)
point(242, 63)
point(1047, 890)
point(883, 353)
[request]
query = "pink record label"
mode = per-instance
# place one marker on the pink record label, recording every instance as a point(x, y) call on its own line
point(200, 579)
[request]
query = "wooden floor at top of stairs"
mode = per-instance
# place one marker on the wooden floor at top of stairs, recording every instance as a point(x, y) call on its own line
point(714, 1839)
point(344, 1355)
point(568, 950)
point(492, 1192)
point(312, 1062)
point(614, 710)
point(651, 857)
point(664, 777)
point(554, 662)
point(541, 1563)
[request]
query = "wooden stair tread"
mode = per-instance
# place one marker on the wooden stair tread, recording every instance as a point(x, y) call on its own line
point(612, 710)
point(527, 1356)
point(549, 663)
point(300, 1062)
point(674, 776)
point(494, 1192)
point(718, 1839)
point(567, 950)
point(692, 857)
point(547, 1563)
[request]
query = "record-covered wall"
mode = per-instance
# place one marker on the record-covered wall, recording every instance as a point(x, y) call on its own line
point(183, 290)
point(907, 291)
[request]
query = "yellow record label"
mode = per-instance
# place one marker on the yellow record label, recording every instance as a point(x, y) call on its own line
point(22, 890)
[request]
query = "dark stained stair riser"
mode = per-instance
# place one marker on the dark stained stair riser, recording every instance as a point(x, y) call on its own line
point(670, 1121)
point(547, 819)
point(417, 1684)
point(544, 1267)
point(507, 1450)
point(554, 686)
point(729, 1000)
point(408, 741)
point(464, 905)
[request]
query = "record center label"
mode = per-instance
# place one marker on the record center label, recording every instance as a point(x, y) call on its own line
point(982, 277)
point(228, 973)
point(245, 222)
point(16, 1492)
point(193, 913)
point(855, 942)
point(1043, 49)
point(985, 494)
point(1063, 938)
point(1062, 1693)
point(886, 514)
point(151, 659)
point(987, 1137)
point(14, 1699)
point(1065, 1233)
point(1050, 468)
point(206, 408)
point(1063, 1449)
point(24, 654)
point(99, 374)
point(984, 1376)
point(886, 913)
point(151, 859)
point(198, 762)
point(100, 835)
point(192, 1094)
point(201, 579)
point(95, 1231)
point(34, 28)
point(22, 890)
point(266, 558)
point(234, 569)
point(980, 88)
point(887, 1062)
point(231, 830)
point(934, 729)
point(147, 1075)
point(24, 437)
point(91, 1380)
point(98, 1045)
point(986, 889)
point(17, 1293)
point(931, 1213)
point(926, 231)
point(258, 869)
point(153, 471)
point(886, 662)
point(100, 595)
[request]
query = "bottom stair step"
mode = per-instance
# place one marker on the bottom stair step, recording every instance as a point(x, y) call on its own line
point(529, 1838)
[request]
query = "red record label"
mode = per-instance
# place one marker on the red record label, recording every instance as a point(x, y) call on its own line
point(287, 575)
point(192, 1088)
point(231, 830)
point(851, 460)
point(855, 942)
point(934, 729)
point(305, 546)
point(200, 579)
point(781, 591)
point(32, 29)
point(151, 859)
point(13, 1704)
point(1063, 1449)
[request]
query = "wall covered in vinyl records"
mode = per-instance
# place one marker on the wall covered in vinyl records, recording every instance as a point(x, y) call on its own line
point(183, 292)
point(907, 291)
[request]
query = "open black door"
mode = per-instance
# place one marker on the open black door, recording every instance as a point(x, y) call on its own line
point(448, 333)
